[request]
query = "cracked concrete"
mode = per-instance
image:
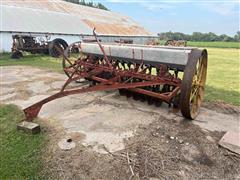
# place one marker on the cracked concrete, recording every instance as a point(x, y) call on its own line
point(104, 119)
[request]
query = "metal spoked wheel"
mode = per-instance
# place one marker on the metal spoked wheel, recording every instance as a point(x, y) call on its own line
point(70, 56)
point(193, 83)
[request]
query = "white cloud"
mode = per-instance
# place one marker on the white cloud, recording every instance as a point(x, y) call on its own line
point(156, 6)
point(222, 7)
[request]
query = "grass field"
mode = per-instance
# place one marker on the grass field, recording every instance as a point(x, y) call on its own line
point(214, 44)
point(211, 44)
point(222, 79)
point(20, 153)
point(42, 61)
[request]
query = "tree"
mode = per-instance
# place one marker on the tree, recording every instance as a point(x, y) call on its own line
point(237, 37)
point(89, 4)
point(101, 6)
point(73, 1)
point(198, 36)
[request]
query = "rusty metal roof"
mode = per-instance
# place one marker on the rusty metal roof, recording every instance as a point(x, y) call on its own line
point(86, 18)
point(38, 21)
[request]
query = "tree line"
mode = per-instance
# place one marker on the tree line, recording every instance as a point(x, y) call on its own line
point(198, 36)
point(89, 4)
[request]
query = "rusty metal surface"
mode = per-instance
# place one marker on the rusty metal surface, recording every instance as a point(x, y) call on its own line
point(109, 76)
point(116, 28)
point(176, 43)
point(131, 78)
point(76, 15)
point(92, 71)
point(15, 19)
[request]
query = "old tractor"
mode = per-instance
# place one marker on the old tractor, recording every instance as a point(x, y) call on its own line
point(156, 74)
point(37, 45)
point(177, 43)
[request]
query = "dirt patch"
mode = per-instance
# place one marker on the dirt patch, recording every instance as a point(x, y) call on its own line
point(164, 149)
point(222, 107)
point(180, 150)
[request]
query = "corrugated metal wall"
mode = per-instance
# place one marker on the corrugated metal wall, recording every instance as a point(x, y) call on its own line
point(65, 20)
point(6, 42)
point(6, 39)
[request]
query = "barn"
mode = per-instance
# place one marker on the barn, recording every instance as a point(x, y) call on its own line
point(71, 22)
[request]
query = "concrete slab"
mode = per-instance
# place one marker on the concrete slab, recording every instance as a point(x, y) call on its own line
point(38, 87)
point(103, 119)
point(56, 84)
point(231, 141)
point(215, 121)
point(25, 103)
point(11, 79)
point(29, 127)
point(5, 97)
point(105, 126)
point(6, 90)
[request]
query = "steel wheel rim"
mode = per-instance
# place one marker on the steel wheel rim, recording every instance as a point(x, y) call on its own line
point(69, 57)
point(197, 88)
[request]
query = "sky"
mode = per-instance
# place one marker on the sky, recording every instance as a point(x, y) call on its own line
point(187, 16)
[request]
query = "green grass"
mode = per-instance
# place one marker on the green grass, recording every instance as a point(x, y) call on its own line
point(222, 79)
point(214, 44)
point(20, 153)
point(217, 44)
point(42, 61)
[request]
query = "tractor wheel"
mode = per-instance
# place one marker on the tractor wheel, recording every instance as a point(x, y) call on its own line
point(57, 47)
point(16, 55)
point(193, 83)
